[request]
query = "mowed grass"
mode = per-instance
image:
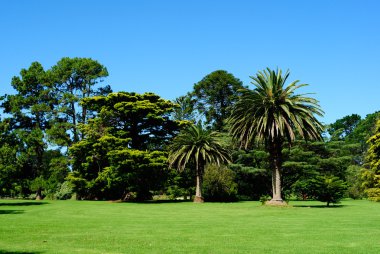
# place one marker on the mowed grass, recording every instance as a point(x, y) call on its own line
point(244, 227)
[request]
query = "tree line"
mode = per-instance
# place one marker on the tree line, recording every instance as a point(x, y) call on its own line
point(66, 135)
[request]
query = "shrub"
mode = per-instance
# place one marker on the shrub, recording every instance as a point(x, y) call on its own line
point(373, 194)
point(65, 191)
point(264, 198)
point(219, 184)
point(328, 189)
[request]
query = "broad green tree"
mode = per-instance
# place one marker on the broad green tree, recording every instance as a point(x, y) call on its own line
point(273, 113)
point(123, 149)
point(200, 146)
point(215, 95)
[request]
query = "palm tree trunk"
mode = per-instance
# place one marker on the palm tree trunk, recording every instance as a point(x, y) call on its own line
point(198, 190)
point(277, 182)
point(276, 164)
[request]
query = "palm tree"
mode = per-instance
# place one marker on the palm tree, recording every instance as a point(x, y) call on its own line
point(271, 114)
point(200, 146)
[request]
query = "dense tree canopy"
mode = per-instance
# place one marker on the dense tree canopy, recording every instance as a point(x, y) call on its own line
point(123, 146)
point(62, 133)
point(214, 96)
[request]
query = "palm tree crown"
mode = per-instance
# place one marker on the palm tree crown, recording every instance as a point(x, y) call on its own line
point(272, 111)
point(200, 146)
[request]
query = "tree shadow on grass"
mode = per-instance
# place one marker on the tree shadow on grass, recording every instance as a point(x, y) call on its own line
point(23, 203)
point(157, 201)
point(11, 212)
point(18, 252)
point(319, 206)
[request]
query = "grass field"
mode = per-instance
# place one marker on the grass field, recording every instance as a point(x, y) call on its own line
point(245, 227)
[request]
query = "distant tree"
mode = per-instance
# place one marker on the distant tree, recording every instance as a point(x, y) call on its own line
point(74, 79)
point(215, 95)
point(364, 130)
point(343, 127)
point(185, 109)
point(200, 146)
point(272, 114)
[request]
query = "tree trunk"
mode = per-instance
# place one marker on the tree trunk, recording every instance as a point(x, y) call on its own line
point(198, 190)
point(75, 132)
point(39, 194)
point(275, 156)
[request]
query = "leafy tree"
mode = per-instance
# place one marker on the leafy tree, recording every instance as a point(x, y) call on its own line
point(307, 161)
point(123, 149)
point(343, 127)
point(363, 131)
point(272, 114)
point(200, 146)
point(214, 96)
point(74, 79)
point(31, 111)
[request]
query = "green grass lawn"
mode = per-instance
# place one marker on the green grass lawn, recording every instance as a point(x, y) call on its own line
point(245, 227)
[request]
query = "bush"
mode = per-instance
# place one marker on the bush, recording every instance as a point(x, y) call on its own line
point(373, 194)
point(328, 189)
point(219, 184)
point(264, 198)
point(65, 191)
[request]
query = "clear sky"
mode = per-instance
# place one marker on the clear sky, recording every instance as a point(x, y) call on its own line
point(166, 46)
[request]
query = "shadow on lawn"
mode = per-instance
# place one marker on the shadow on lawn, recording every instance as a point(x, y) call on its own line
point(11, 212)
point(319, 206)
point(155, 202)
point(23, 203)
point(17, 252)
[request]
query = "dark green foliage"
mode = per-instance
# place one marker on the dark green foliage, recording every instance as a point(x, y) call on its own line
point(32, 115)
point(329, 189)
point(306, 161)
point(219, 184)
point(123, 146)
point(74, 79)
point(363, 131)
point(215, 95)
point(252, 173)
point(343, 127)
point(180, 184)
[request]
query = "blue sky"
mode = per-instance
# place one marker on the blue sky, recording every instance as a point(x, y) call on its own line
point(167, 46)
